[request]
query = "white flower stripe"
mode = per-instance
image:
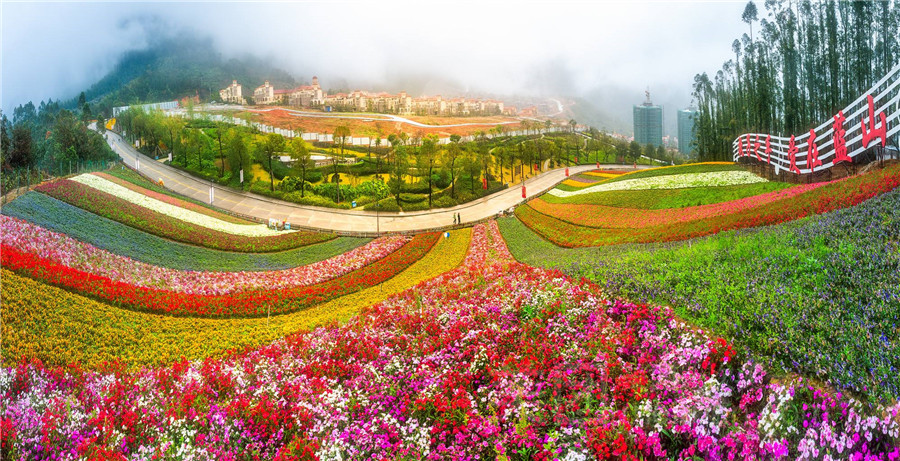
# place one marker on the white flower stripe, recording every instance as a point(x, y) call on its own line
point(67, 251)
point(176, 212)
point(676, 181)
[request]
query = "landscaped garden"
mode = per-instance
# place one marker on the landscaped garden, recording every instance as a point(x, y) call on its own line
point(123, 340)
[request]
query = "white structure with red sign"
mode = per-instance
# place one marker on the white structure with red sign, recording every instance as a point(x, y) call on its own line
point(870, 121)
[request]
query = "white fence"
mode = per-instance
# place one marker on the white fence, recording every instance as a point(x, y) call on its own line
point(872, 119)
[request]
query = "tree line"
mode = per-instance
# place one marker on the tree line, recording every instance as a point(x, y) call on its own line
point(46, 136)
point(794, 69)
point(404, 163)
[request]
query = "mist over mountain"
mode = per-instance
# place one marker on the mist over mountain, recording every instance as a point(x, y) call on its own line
point(594, 54)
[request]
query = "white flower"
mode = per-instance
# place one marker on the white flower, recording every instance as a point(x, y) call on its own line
point(193, 217)
point(675, 181)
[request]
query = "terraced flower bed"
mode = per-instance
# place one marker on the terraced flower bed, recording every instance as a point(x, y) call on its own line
point(656, 199)
point(818, 296)
point(248, 303)
point(126, 241)
point(553, 370)
point(101, 184)
point(829, 197)
point(172, 200)
point(66, 251)
point(633, 218)
point(38, 320)
point(676, 181)
point(128, 178)
point(173, 227)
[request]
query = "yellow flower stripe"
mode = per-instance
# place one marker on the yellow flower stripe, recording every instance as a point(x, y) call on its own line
point(602, 175)
point(573, 183)
point(59, 327)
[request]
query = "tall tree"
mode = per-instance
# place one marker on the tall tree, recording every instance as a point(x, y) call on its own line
point(427, 159)
point(450, 157)
point(301, 156)
point(268, 148)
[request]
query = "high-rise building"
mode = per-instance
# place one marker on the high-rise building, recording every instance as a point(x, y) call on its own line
point(648, 123)
point(686, 119)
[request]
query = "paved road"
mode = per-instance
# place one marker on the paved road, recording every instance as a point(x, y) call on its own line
point(348, 221)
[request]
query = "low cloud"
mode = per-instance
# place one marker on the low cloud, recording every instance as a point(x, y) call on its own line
point(567, 49)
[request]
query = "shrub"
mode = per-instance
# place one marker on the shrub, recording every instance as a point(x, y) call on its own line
point(412, 198)
point(444, 202)
point(418, 188)
point(420, 206)
point(441, 180)
point(313, 176)
point(387, 204)
point(376, 189)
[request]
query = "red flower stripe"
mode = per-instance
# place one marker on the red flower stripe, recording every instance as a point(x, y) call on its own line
point(829, 197)
point(248, 303)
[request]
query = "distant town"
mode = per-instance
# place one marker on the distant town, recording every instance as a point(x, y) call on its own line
point(314, 97)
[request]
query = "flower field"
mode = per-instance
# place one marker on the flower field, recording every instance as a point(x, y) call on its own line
point(553, 369)
point(655, 199)
point(38, 320)
point(174, 201)
point(66, 251)
point(138, 183)
point(165, 207)
point(819, 296)
point(618, 217)
point(173, 224)
point(822, 199)
point(123, 240)
point(248, 303)
point(529, 338)
point(677, 181)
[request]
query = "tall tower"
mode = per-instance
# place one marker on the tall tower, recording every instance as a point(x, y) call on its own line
point(315, 82)
point(648, 122)
point(686, 119)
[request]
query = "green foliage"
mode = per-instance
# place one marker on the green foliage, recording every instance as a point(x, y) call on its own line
point(387, 205)
point(375, 188)
point(444, 202)
point(417, 206)
point(809, 60)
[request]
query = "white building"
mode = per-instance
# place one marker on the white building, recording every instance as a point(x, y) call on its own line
point(232, 93)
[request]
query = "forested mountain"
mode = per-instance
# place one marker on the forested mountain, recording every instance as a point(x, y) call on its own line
point(801, 62)
point(178, 67)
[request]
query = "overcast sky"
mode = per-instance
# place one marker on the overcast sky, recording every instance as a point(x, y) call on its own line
point(54, 50)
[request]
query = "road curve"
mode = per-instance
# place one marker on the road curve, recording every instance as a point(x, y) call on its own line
point(327, 219)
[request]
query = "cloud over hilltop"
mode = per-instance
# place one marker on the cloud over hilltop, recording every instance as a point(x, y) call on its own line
point(534, 48)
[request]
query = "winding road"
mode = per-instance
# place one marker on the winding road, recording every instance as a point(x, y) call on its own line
point(355, 222)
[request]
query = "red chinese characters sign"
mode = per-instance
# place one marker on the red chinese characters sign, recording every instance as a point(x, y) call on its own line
point(872, 121)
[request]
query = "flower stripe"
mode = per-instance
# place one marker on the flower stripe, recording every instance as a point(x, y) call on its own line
point(249, 303)
point(64, 250)
point(676, 181)
point(153, 222)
